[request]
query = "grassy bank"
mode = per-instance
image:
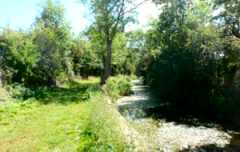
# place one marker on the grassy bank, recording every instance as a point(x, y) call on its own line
point(75, 117)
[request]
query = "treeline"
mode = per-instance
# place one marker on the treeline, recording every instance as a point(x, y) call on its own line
point(190, 56)
point(49, 53)
point(194, 57)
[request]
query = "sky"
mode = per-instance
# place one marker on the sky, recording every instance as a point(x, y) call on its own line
point(21, 14)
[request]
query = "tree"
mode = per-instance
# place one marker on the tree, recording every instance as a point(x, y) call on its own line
point(52, 36)
point(110, 18)
point(185, 69)
point(137, 46)
point(19, 57)
point(86, 60)
point(230, 15)
point(123, 59)
point(229, 21)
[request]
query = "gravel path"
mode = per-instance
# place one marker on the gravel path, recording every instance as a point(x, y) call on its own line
point(169, 136)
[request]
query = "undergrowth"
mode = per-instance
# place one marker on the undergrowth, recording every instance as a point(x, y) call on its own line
point(103, 132)
point(74, 117)
point(118, 86)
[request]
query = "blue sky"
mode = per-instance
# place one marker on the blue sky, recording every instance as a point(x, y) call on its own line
point(22, 13)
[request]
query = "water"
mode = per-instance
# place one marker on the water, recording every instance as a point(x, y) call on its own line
point(168, 132)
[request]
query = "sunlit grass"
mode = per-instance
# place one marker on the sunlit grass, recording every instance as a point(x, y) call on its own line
point(38, 127)
point(52, 122)
point(74, 117)
point(3, 95)
point(103, 132)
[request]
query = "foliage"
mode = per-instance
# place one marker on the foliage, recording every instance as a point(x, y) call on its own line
point(37, 57)
point(52, 37)
point(230, 16)
point(103, 132)
point(124, 57)
point(19, 56)
point(48, 54)
point(190, 57)
point(195, 65)
point(18, 91)
point(139, 48)
point(123, 60)
point(90, 124)
point(118, 86)
point(86, 60)
point(110, 18)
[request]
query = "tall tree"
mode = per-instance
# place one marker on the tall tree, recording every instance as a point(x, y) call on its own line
point(184, 70)
point(110, 18)
point(230, 16)
point(229, 22)
point(52, 37)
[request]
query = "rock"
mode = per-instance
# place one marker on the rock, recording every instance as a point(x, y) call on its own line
point(166, 136)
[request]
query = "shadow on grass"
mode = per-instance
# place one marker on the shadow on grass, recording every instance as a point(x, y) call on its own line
point(75, 93)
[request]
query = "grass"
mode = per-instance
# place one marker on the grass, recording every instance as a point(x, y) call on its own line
point(103, 132)
point(52, 122)
point(75, 117)
point(3, 95)
point(38, 127)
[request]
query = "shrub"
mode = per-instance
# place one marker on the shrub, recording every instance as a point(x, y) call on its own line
point(18, 91)
point(118, 86)
point(18, 57)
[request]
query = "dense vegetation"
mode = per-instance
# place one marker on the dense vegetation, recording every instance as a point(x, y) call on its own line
point(49, 53)
point(190, 57)
point(196, 60)
point(70, 118)
point(46, 77)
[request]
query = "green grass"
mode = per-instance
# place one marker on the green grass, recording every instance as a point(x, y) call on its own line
point(3, 95)
point(38, 127)
point(103, 132)
point(73, 118)
point(52, 122)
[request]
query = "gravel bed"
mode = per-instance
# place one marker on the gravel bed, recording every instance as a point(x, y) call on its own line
point(166, 136)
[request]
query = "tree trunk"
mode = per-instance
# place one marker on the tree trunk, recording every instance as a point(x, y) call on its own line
point(107, 63)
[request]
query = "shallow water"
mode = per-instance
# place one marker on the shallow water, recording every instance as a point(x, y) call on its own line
point(170, 132)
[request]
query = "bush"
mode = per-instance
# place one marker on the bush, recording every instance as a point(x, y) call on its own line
point(19, 91)
point(18, 57)
point(118, 86)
